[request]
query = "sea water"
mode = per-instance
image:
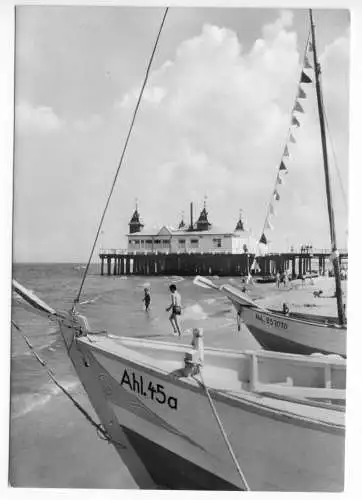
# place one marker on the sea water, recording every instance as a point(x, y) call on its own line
point(51, 443)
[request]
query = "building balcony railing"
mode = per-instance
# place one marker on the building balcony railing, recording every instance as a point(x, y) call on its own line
point(189, 251)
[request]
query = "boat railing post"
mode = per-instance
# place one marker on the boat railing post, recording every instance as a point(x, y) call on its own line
point(327, 376)
point(253, 372)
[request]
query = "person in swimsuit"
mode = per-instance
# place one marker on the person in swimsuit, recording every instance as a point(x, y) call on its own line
point(147, 299)
point(175, 308)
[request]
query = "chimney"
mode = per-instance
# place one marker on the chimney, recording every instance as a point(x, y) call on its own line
point(191, 218)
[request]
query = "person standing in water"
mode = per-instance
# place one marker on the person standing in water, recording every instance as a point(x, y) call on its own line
point(147, 299)
point(175, 308)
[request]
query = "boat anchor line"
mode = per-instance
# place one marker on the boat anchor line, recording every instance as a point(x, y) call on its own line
point(101, 431)
point(202, 384)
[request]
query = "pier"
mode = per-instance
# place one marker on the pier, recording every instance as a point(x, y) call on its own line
point(298, 264)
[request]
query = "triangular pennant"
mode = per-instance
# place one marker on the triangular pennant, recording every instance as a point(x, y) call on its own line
point(272, 209)
point(310, 46)
point(295, 121)
point(306, 63)
point(276, 195)
point(286, 152)
point(268, 224)
point(291, 139)
point(301, 93)
point(298, 107)
point(305, 78)
point(282, 166)
point(279, 179)
point(263, 239)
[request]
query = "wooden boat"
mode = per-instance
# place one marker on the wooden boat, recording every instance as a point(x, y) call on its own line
point(296, 333)
point(282, 414)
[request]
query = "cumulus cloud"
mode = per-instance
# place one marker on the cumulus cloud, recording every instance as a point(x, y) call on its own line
point(218, 121)
point(86, 125)
point(41, 119)
point(220, 129)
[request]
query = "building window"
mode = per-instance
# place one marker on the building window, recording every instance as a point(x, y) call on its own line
point(217, 242)
point(137, 243)
point(182, 243)
point(194, 243)
point(149, 244)
point(165, 244)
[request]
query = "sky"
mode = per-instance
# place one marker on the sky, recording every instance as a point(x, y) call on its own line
point(213, 123)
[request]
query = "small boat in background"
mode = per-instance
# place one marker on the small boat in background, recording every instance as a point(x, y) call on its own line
point(297, 332)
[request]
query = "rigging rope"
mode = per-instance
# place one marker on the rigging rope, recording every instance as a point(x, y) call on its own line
point(101, 431)
point(76, 300)
point(288, 134)
point(224, 435)
point(335, 160)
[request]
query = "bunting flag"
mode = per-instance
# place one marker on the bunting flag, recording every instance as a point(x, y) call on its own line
point(276, 195)
point(310, 46)
point(286, 152)
point(295, 121)
point(305, 78)
point(282, 167)
point(291, 139)
point(279, 179)
point(306, 63)
point(272, 209)
point(263, 239)
point(298, 107)
point(268, 224)
point(301, 93)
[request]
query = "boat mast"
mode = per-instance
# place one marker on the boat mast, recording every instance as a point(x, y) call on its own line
point(335, 258)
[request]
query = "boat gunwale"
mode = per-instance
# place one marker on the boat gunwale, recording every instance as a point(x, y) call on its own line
point(246, 399)
point(251, 304)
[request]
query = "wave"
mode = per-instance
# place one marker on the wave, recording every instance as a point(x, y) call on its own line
point(24, 404)
point(90, 301)
point(195, 312)
point(147, 284)
point(176, 279)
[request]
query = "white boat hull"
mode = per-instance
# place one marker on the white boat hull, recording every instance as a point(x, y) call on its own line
point(276, 449)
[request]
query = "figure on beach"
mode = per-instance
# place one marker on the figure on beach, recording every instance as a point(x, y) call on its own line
point(175, 308)
point(277, 279)
point(147, 299)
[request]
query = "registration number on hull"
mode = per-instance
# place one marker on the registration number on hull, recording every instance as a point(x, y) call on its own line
point(267, 320)
point(148, 389)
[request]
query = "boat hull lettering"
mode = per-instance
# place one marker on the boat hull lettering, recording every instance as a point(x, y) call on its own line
point(268, 320)
point(148, 389)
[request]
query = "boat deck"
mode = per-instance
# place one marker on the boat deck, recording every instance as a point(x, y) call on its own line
point(245, 376)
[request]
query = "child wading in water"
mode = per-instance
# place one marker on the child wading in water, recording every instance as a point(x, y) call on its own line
point(175, 308)
point(147, 299)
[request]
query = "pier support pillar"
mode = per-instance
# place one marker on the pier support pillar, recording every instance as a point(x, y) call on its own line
point(127, 270)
